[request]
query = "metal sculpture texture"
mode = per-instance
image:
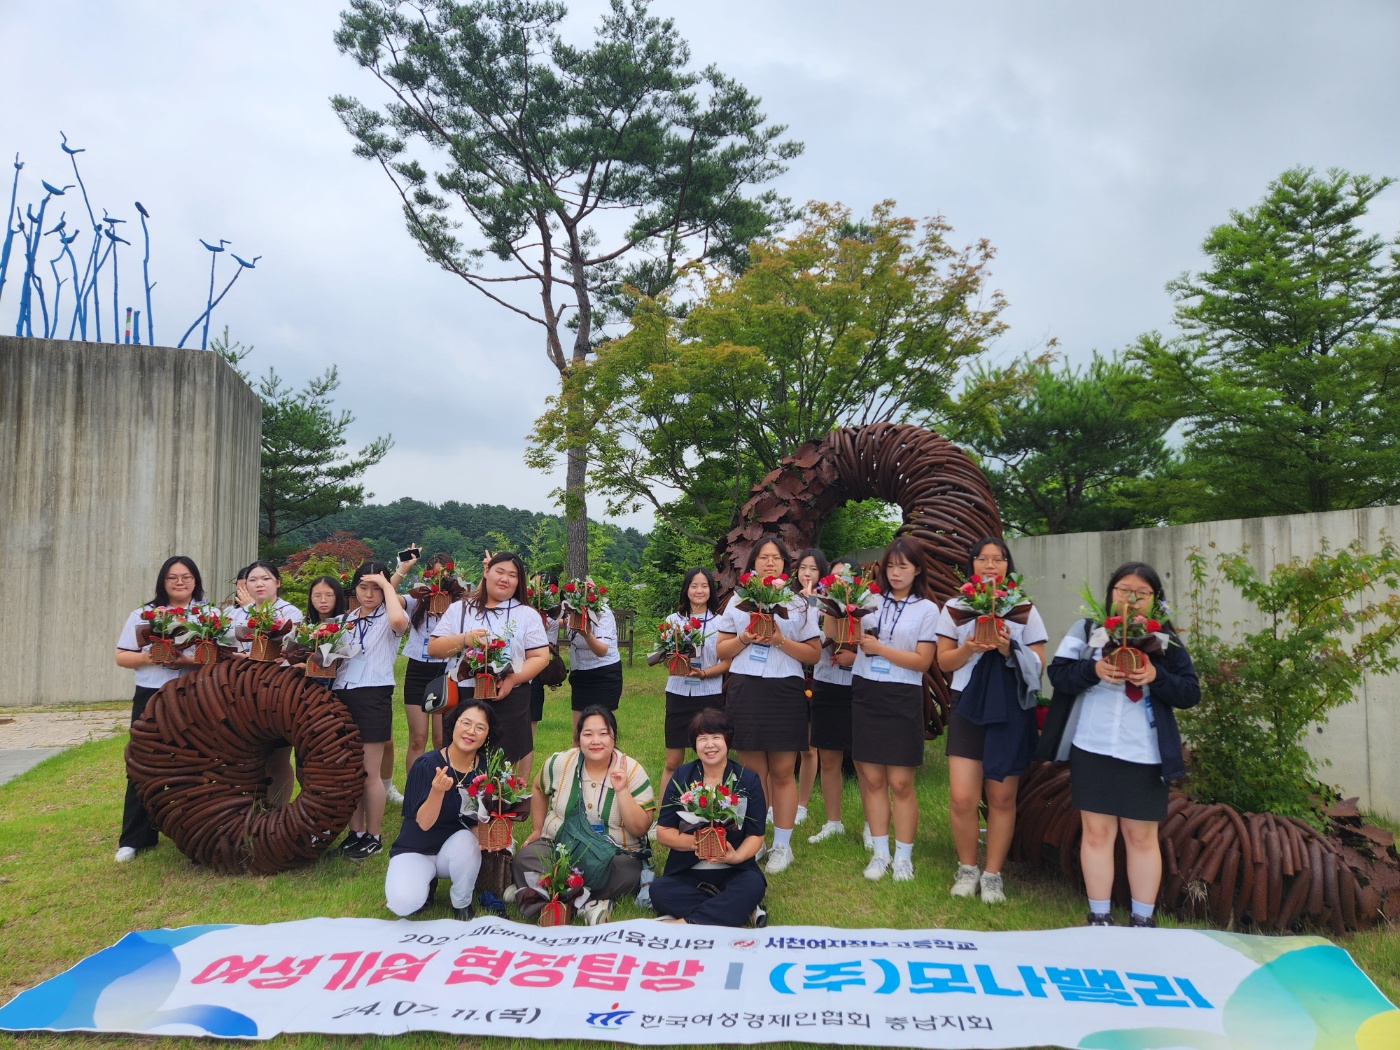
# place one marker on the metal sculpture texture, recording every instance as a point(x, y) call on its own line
point(946, 501)
point(34, 316)
point(198, 757)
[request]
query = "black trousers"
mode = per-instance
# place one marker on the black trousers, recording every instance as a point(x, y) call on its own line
point(138, 831)
point(740, 889)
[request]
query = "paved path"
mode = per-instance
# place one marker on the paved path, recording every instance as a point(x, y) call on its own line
point(29, 737)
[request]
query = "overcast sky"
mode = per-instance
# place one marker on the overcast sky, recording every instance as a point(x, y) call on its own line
point(1094, 144)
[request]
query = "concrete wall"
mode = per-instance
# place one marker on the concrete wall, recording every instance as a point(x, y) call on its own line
point(1360, 740)
point(112, 458)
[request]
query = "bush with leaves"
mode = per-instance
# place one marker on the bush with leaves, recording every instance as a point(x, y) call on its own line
point(1327, 621)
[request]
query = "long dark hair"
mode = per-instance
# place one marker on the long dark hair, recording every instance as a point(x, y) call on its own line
point(976, 549)
point(1136, 568)
point(478, 597)
point(912, 551)
point(449, 722)
point(684, 607)
point(367, 568)
point(340, 607)
point(763, 541)
point(162, 595)
point(260, 564)
point(450, 584)
point(818, 556)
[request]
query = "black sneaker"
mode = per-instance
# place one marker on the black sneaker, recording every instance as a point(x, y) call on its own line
point(367, 847)
point(1143, 922)
point(1099, 920)
point(432, 893)
point(351, 842)
point(466, 914)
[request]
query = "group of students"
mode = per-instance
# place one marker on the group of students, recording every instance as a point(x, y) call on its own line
point(745, 709)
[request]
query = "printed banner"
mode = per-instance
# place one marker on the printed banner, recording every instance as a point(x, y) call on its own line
point(647, 982)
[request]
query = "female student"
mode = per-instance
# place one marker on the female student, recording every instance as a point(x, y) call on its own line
point(365, 685)
point(767, 701)
point(702, 686)
point(979, 760)
point(887, 705)
point(325, 600)
point(498, 608)
point(421, 668)
point(599, 803)
point(433, 842)
point(724, 892)
point(1119, 733)
point(831, 723)
point(811, 567)
point(595, 665)
point(178, 585)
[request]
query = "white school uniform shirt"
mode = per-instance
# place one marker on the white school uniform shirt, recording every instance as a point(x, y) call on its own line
point(1028, 633)
point(709, 623)
point(830, 672)
point(1109, 723)
point(373, 645)
point(238, 617)
point(769, 661)
point(462, 616)
point(415, 647)
point(151, 676)
point(902, 625)
point(604, 627)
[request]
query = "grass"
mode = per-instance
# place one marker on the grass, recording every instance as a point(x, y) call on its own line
point(61, 897)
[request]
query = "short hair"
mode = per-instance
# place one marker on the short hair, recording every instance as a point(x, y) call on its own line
point(602, 712)
point(710, 720)
point(912, 551)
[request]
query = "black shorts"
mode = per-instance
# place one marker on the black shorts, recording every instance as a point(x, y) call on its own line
point(597, 685)
point(372, 708)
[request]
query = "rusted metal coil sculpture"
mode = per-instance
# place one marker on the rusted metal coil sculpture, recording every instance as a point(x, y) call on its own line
point(945, 498)
point(198, 757)
point(1228, 868)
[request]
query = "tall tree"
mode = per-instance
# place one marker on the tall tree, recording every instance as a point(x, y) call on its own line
point(307, 473)
point(1068, 451)
point(576, 167)
point(845, 322)
point(1287, 376)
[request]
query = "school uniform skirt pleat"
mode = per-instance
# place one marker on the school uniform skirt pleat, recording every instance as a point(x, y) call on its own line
point(887, 723)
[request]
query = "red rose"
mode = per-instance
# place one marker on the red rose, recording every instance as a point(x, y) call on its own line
point(768, 581)
point(529, 592)
point(968, 589)
point(488, 788)
point(148, 615)
point(874, 589)
point(704, 801)
point(569, 588)
point(574, 881)
point(602, 590)
point(974, 578)
point(745, 578)
point(1153, 626)
point(827, 581)
point(553, 588)
point(471, 790)
point(694, 623)
point(448, 566)
point(1113, 623)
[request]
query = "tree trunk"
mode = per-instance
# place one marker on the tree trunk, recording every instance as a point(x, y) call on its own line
point(576, 514)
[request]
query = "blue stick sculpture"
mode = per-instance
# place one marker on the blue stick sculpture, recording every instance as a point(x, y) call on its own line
point(87, 285)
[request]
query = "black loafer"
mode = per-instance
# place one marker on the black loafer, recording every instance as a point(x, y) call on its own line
point(1099, 920)
point(466, 914)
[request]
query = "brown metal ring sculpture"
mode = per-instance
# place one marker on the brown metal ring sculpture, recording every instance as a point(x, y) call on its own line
point(198, 757)
point(944, 495)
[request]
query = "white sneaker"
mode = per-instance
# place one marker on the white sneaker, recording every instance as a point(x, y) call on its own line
point(801, 814)
point(965, 882)
point(992, 892)
point(875, 870)
point(125, 854)
point(392, 795)
point(867, 840)
point(761, 854)
point(770, 814)
point(830, 828)
point(903, 870)
point(508, 895)
point(779, 857)
point(595, 912)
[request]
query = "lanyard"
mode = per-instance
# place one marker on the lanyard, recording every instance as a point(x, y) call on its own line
point(506, 608)
point(603, 785)
point(362, 625)
point(898, 612)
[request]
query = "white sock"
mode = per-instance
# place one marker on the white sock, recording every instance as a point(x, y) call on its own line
point(781, 836)
point(1140, 910)
point(388, 782)
point(867, 828)
point(1099, 907)
point(882, 846)
point(904, 851)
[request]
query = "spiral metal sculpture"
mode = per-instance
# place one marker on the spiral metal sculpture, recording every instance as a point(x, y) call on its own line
point(946, 501)
point(198, 757)
point(1229, 868)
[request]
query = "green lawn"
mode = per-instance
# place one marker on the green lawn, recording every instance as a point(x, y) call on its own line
point(62, 898)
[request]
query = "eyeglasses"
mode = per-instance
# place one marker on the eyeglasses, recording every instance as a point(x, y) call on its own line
point(179, 579)
point(1137, 596)
point(990, 559)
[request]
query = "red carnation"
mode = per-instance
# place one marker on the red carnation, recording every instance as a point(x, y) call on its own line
point(569, 588)
point(768, 581)
point(745, 578)
point(1153, 626)
point(602, 590)
point(148, 615)
point(574, 881)
point(1113, 623)
point(968, 589)
point(827, 581)
point(874, 589)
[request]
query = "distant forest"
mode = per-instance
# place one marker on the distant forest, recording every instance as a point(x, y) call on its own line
point(465, 529)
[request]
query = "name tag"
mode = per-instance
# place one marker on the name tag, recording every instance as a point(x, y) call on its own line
point(600, 829)
point(758, 654)
point(879, 665)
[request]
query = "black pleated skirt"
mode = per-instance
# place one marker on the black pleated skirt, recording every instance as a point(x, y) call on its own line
point(887, 723)
point(680, 709)
point(769, 714)
point(1103, 784)
point(597, 685)
point(831, 716)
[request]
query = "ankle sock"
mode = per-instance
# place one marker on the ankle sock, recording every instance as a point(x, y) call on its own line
point(904, 851)
point(782, 837)
point(866, 832)
point(1140, 910)
point(1099, 907)
point(882, 846)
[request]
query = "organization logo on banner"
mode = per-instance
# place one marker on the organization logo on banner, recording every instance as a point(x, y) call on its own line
point(609, 1018)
